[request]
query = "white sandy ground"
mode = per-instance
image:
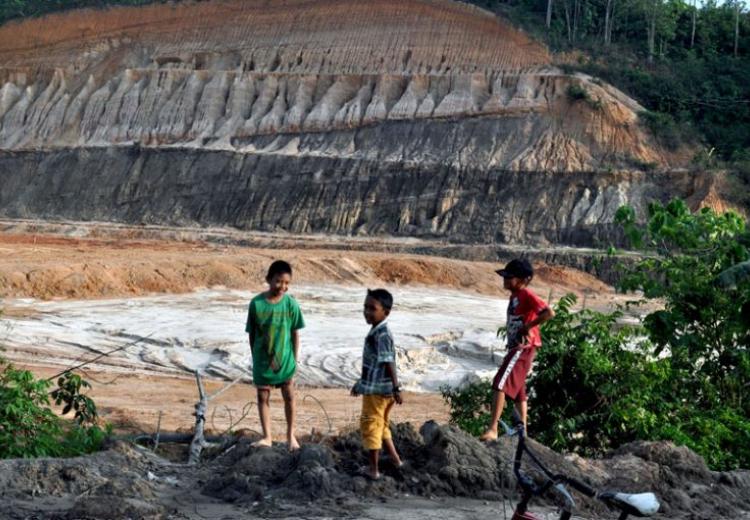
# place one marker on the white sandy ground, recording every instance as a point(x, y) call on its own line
point(443, 336)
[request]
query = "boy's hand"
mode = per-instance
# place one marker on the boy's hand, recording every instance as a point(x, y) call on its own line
point(354, 392)
point(523, 332)
point(397, 397)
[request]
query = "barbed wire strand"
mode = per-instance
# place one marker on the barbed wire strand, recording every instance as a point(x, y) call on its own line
point(100, 356)
point(328, 417)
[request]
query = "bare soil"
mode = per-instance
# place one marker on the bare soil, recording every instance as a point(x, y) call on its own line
point(51, 266)
point(450, 475)
point(133, 403)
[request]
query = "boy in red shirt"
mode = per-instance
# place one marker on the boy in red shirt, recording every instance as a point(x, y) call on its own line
point(526, 311)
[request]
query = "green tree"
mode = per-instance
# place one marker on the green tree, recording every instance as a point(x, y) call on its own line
point(29, 427)
point(595, 382)
point(703, 325)
point(703, 329)
point(681, 376)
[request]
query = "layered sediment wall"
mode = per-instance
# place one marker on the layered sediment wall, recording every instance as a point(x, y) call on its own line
point(421, 117)
point(272, 191)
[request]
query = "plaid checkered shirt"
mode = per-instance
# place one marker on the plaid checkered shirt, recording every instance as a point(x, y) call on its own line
point(378, 352)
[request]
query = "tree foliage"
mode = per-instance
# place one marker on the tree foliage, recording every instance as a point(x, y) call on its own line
point(691, 82)
point(12, 9)
point(682, 375)
point(594, 383)
point(29, 427)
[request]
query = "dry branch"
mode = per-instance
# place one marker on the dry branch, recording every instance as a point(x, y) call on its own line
point(198, 441)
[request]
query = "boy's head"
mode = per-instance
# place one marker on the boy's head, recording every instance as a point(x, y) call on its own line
point(517, 274)
point(279, 277)
point(378, 305)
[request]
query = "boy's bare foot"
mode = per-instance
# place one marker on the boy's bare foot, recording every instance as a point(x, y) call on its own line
point(370, 475)
point(489, 435)
point(266, 442)
point(293, 444)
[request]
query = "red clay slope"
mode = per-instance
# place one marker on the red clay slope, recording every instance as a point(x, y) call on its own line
point(373, 36)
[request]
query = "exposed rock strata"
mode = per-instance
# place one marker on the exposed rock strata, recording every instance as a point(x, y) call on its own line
point(425, 117)
point(318, 194)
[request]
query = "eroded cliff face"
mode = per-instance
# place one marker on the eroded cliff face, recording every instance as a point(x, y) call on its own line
point(401, 117)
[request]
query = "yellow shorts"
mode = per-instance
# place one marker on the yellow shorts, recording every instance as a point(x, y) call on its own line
point(374, 421)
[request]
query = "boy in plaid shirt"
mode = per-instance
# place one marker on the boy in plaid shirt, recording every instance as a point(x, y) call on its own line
point(379, 382)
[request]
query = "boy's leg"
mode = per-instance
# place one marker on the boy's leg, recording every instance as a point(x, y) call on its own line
point(505, 377)
point(372, 457)
point(371, 426)
point(498, 404)
point(287, 392)
point(387, 440)
point(523, 408)
point(264, 411)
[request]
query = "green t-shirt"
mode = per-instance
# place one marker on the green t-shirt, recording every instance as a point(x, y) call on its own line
point(270, 325)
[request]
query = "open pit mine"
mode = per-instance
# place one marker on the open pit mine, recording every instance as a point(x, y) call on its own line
point(420, 118)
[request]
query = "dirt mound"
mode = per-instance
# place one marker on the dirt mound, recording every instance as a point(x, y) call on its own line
point(324, 479)
point(445, 461)
point(52, 266)
point(683, 481)
point(109, 484)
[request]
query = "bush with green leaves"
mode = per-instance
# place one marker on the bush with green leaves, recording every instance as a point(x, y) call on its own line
point(29, 427)
point(470, 405)
point(594, 382)
point(703, 328)
point(681, 376)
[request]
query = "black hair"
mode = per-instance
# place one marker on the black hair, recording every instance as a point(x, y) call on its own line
point(381, 295)
point(279, 267)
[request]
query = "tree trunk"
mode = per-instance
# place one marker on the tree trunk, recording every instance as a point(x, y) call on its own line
point(736, 27)
point(549, 13)
point(609, 18)
point(568, 23)
point(606, 21)
point(651, 31)
point(692, 32)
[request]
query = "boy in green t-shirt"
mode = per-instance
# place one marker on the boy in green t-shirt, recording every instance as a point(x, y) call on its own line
point(273, 322)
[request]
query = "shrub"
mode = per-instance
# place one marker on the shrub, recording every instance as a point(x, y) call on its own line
point(470, 406)
point(29, 428)
point(663, 127)
point(576, 92)
point(703, 327)
point(594, 382)
point(681, 376)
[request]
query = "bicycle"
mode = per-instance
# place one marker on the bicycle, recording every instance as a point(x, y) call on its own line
point(638, 505)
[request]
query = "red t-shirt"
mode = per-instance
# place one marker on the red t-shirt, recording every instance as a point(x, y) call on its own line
point(524, 307)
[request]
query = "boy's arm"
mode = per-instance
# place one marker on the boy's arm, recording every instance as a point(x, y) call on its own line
point(295, 343)
point(250, 325)
point(544, 316)
point(297, 323)
point(390, 369)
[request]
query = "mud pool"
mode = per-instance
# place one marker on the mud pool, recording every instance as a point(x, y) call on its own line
point(443, 336)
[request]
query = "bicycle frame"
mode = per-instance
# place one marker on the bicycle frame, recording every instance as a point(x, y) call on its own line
point(641, 505)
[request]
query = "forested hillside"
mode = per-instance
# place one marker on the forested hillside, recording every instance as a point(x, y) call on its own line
point(688, 63)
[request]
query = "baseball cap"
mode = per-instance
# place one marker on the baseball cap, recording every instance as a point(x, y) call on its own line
point(517, 268)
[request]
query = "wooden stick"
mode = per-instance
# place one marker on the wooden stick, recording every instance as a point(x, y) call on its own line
point(158, 432)
point(227, 387)
point(200, 420)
